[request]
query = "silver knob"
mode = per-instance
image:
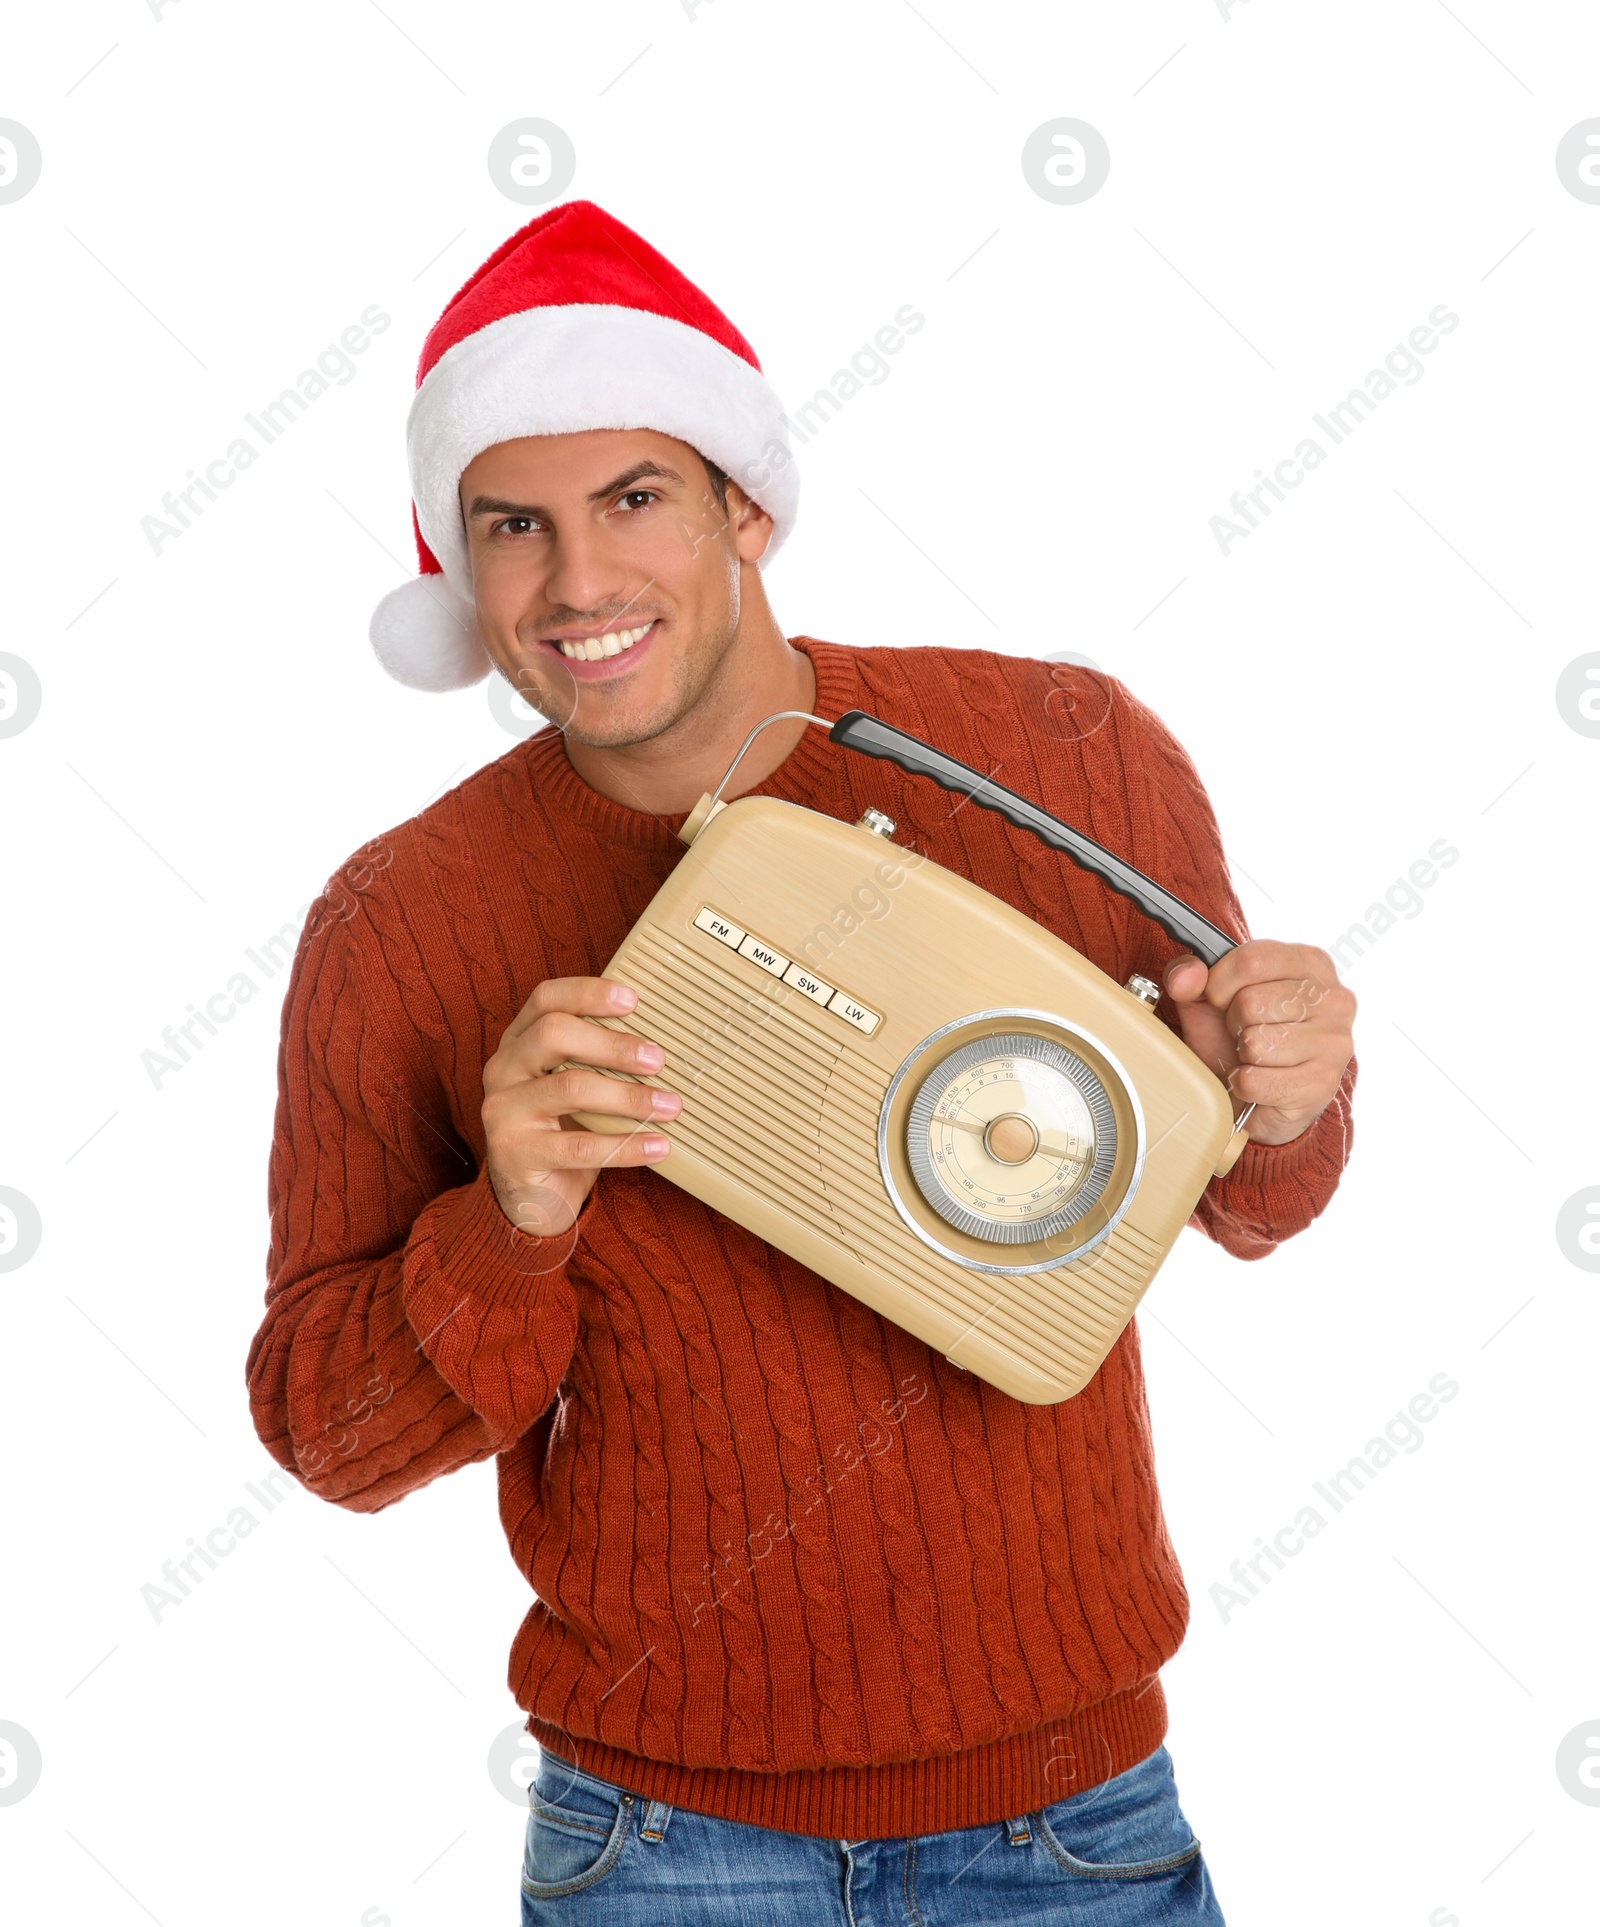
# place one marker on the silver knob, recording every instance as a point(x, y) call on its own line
point(1148, 993)
point(877, 822)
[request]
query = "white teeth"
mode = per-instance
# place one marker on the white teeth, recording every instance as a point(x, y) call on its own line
point(593, 648)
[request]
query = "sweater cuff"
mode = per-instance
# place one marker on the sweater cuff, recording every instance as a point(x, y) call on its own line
point(464, 1243)
point(1267, 1163)
point(1276, 1190)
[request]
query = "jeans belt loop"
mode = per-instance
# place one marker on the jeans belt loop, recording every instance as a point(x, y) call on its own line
point(1021, 1833)
point(653, 1827)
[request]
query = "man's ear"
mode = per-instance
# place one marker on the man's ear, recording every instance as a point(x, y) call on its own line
point(752, 526)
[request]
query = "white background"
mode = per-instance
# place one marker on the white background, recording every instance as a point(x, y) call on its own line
point(1374, 1736)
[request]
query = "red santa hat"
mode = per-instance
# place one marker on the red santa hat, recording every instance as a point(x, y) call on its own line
point(573, 323)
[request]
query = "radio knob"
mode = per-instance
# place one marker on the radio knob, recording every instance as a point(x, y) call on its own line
point(1149, 994)
point(877, 822)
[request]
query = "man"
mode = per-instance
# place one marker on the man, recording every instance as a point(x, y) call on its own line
point(772, 1680)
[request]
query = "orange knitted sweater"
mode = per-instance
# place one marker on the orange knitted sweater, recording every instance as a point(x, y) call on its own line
point(789, 1566)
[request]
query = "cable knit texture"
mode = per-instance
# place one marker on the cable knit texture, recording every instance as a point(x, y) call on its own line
point(789, 1566)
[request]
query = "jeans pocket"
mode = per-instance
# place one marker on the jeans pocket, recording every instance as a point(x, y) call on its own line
point(577, 1828)
point(1130, 1827)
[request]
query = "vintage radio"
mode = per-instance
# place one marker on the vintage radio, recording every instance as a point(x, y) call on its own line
point(912, 1088)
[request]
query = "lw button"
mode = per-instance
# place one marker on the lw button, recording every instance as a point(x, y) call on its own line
point(1149, 994)
point(877, 822)
point(866, 1021)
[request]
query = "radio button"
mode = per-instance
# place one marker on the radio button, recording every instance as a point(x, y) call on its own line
point(719, 927)
point(760, 953)
point(812, 987)
point(853, 1013)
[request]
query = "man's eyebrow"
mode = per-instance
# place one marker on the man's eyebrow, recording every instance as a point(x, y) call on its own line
point(493, 505)
point(637, 473)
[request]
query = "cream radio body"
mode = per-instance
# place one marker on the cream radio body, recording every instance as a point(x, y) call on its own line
point(916, 1091)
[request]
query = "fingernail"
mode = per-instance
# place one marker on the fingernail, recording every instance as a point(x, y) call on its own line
point(651, 1056)
point(655, 1147)
point(667, 1103)
point(622, 998)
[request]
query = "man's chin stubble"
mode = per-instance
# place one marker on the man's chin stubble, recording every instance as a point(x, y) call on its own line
point(595, 714)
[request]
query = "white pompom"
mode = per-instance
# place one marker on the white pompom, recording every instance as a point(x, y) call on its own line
point(427, 638)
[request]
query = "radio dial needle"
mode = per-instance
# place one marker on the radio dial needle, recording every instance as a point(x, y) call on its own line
point(1050, 1147)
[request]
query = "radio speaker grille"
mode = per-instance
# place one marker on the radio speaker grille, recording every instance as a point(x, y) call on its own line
point(787, 1112)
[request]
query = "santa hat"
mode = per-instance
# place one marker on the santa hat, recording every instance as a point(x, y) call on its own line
point(573, 323)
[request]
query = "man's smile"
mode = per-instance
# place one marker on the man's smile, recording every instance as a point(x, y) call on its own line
point(596, 655)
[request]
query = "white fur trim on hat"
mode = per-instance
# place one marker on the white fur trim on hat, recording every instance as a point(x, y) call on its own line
point(427, 638)
point(558, 371)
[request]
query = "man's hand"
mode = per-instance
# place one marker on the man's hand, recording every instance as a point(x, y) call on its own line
point(1273, 1021)
point(541, 1163)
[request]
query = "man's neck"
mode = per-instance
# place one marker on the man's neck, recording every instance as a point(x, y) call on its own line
point(667, 775)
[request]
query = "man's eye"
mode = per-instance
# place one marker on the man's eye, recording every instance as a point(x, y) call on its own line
point(637, 495)
point(516, 524)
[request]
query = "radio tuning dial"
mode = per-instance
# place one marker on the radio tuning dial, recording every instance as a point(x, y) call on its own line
point(877, 822)
point(1148, 993)
point(1011, 1139)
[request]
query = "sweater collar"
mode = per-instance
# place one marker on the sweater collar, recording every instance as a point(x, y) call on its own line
point(807, 773)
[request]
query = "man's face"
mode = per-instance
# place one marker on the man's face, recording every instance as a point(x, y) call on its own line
point(606, 575)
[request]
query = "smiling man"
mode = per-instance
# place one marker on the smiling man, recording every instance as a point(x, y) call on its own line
point(606, 572)
point(772, 1679)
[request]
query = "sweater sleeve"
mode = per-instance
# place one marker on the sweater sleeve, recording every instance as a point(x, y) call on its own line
point(410, 1328)
point(1274, 1190)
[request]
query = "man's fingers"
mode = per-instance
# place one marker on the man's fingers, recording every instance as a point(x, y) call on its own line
point(1288, 1089)
point(550, 1062)
point(1280, 1045)
point(578, 1088)
point(552, 1038)
point(529, 1157)
point(1264, 960)
point(591, 1150)
point(575, 997)
point(521, 1120)
point(1288, 1000)
point(1185, 979)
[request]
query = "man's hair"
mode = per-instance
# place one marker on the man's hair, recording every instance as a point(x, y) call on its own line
point(719, 482)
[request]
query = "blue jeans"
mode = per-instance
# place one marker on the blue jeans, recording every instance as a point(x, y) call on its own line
point(1117, 1855)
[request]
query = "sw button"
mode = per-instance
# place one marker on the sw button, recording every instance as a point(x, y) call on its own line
point(812, 987)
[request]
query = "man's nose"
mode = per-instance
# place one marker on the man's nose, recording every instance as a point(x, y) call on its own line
point(586, 572)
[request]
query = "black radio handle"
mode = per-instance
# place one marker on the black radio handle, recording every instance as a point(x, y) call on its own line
point(858, 731)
